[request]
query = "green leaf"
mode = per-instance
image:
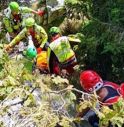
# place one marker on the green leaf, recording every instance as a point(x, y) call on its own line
point(30, 101)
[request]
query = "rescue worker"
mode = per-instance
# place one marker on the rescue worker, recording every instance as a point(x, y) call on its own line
point(60, 54)
point(42, 6)
point(37, 35)
point(13, 18)
point(108, 92)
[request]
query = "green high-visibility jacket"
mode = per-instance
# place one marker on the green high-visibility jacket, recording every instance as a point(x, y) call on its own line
point(61, 48)
point(40, 36)
point(8, 19)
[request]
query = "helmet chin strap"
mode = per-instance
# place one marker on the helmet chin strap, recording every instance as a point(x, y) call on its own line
point(97, 86)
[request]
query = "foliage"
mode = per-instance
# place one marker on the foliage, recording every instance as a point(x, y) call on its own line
point(99, 49)
point(115, 115)
point(35, 100)
point(102, 47)
point(71, 1)
point(110, 11)
point(76, 14)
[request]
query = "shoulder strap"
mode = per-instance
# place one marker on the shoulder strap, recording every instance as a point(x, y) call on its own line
point(111, 84)
point(114, 99)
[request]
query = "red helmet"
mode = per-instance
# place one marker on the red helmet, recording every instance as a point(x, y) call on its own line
point(90, 81)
